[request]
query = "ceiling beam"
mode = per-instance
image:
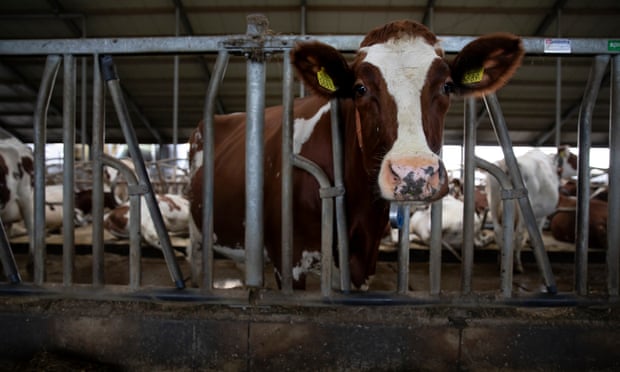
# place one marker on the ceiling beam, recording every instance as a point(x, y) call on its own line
point(550, 17)
point(189, 29)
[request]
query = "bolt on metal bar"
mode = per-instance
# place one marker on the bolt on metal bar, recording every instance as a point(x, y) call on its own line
point(583, 178)
point(37, 228)
point(68, 192)
point(497, 120)
point(613, 233)
point(208, 156)
point(286, 278)
point(113, 84)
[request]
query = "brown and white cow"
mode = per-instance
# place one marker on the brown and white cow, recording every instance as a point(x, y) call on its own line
point(17, 185)
point(174, 211)
point(393, 98)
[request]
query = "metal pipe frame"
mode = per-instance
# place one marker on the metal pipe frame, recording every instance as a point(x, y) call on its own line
point(468, 195)
point(613, 233)
point(327, 220)
point(68, 192)
point(286, 274)
point(98, 136)
point(501, 131)
point(37, 229)
point(402, 281)
point(7, 259)
point(583, 178)
point(208, 156)
point(113, 84)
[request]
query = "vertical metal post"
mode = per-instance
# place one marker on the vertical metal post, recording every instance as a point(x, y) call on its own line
point(97, 154)
point(434, 260)
point(112, 81)
point(558, 89)
point(613, 233)
point(468, 194)
point(501, 131)
point(83, 108)
point(341, 216)
point(583, 179)
point(255, 107)
point(68, 193)
point(287, 175)
point(208, 156)
point(403, 249)
point(40, 123)
point(175, 90)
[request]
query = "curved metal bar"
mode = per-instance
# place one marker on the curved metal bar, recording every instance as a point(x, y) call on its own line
point(113, 84)
point(501, 130)
point(583, 179)
point(327, 217)
point(135, 218)
point(508, 212)
point(37, 243)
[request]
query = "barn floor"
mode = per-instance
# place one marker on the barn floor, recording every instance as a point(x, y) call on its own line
point(99, 334)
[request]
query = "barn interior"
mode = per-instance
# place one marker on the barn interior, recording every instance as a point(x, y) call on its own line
point(166, 93)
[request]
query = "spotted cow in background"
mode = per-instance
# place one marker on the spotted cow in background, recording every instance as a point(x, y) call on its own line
point(17, 185)
point(393, 98)
point(541, 177)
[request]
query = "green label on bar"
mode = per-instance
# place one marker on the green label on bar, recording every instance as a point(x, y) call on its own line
point(613, 45)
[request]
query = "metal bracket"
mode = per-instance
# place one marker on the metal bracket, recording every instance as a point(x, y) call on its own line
point(139, 189)
point(331, 192)
point(514, 193)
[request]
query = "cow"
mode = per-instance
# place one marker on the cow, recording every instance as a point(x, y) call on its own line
point(393, 99)
point(563, 222)
point(174, 210)
point(17, 185)
point(451, 225)
point(541, 177)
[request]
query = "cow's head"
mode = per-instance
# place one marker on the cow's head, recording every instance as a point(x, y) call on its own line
point(401, 86)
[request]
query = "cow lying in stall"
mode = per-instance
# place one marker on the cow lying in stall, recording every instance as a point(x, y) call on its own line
point(451, 226)
point(393, 99)
point(563, 221)
point(174, 210)
point(541, 176)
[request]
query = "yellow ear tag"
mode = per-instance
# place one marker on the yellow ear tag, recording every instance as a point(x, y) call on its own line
point(325, 81)
point(473, 76)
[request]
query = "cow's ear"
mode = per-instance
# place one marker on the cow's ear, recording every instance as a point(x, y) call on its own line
point(486, 64)
point(323, 69)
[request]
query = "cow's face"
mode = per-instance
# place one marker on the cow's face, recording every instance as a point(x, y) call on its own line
point(401, 86)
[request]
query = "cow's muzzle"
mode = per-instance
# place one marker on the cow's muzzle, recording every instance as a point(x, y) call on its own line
point(416, 179)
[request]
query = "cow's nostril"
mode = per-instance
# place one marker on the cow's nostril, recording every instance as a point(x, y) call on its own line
point(395, 176)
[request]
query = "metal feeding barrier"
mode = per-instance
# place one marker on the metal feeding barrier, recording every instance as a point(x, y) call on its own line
point(256, 45)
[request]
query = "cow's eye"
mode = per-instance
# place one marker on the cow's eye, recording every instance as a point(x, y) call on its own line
point(360, 89)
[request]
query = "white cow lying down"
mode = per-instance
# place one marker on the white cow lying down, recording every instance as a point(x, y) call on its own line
point(174, 210)
point(451, 229)
point(542, 182)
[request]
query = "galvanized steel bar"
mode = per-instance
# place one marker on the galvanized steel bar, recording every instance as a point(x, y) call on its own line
point(44, 96)
point(467, 250)
point(435, 247)
point(255, 106)
point(508, 216)
point(583, 179)
point(402, 283)
point(68, 193)
point(98, 138)
point(286, 273)
point(113, 83)
point(341, 216)
point(135, 238)
point(327, 220)
point(208, 156)
point(271, 43)
point(83, 107)
point(613, 206)
point(501, 131)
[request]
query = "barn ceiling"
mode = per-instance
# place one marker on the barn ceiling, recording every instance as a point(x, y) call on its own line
point(528, 101)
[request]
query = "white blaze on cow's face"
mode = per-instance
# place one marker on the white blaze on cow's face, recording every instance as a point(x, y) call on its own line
point(410, 170)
